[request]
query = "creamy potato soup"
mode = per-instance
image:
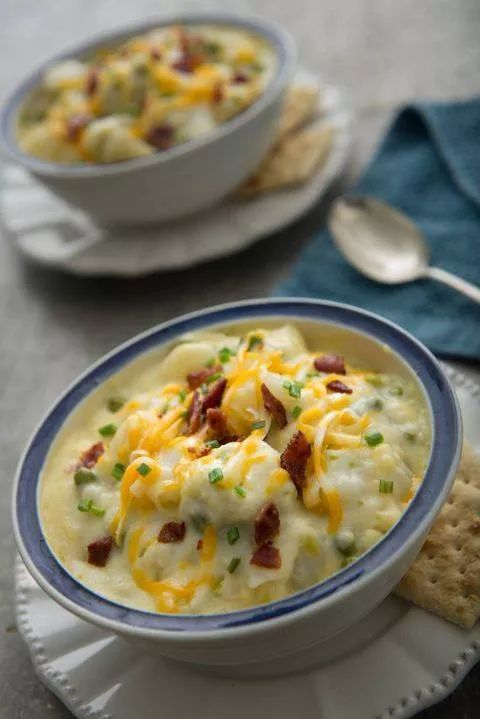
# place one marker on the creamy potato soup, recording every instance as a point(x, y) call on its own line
point(152, 92)
point(235, 471)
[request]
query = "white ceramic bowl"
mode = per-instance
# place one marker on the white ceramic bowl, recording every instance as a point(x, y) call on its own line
point(178, 181)
point(307, 617)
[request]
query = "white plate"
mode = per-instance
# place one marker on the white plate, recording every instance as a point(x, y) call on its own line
point(49, 233)
point(398, 660)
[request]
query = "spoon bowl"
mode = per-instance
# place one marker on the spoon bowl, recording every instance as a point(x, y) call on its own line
point(385, 245)
point(379, 241)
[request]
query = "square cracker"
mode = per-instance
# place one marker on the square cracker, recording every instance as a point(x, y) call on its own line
point(299, 108)
point(445, 577)
point(292, 161)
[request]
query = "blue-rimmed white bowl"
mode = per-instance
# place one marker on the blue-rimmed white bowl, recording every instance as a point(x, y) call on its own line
point(307, 617)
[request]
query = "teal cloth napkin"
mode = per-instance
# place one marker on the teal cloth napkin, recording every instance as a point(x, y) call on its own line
point(428, 166)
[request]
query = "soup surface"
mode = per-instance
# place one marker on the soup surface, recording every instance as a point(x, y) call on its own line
point(146, 95)
point(235, 471)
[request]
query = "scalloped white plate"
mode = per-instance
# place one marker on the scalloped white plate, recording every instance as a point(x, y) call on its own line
point(396, 661)
point(48, 232)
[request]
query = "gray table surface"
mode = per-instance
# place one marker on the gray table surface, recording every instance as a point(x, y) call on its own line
point(382, 53)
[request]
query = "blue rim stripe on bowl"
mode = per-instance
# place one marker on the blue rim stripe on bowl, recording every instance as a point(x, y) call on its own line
point(446, 434)
point(279, 39)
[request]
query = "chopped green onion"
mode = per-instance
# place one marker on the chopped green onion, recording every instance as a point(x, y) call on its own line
point(184, 414)
point(199, 523)
point(213, 378)
point(313, 374)
point(210, 363)
point(258, 424)
point(115, 403)
point(385, 486)
point(84, 475)
point(410, 436)
point(233, 564)
point(108, 430)
point(118, 470)
point(373, 438)
point(212, 444)
point(233, 535)
point(87, 505)
point(215, 475)
point(212, 47)
point(294, 388)
point(84, 505)
point(144, 469)
point(396, 391)
point(296, 411)
point(376, 403)
point(375, 380)
point(253, 342)
point(225, 354)
point(240, 491)
point(182, 395)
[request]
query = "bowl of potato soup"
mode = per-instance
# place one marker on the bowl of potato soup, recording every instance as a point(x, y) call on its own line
point(156, 120)
point(262, 470)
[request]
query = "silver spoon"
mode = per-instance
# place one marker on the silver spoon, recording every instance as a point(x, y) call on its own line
point(385, 245)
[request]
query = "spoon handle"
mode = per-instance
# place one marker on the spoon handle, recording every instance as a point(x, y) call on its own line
point(457, 283)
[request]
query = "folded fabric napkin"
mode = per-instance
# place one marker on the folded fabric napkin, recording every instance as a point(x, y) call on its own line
point(428, 166)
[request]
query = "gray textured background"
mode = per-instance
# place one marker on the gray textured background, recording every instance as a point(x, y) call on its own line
point(382, 53)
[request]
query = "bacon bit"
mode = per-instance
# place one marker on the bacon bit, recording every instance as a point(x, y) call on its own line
point(267, 523)
point(217, 422)
point(183, 38)
point(91, 84)
point(197, 452)
point(337, 386)
point(294, 458)
point(187, 62)
point(75, 125)
point(330, 363)
point(267, 556)
point(190, 46)
point(172, 532)
point(214, 396)
point(219, 429)
point(195, 413)
point(200, 545)
point(274, 406)
point(90, 457)
point(196, 379)
point(218, 93)
point(162, 137)
point(239, 78)
point(230, 438)
point(155, 54)
point(99, 551)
